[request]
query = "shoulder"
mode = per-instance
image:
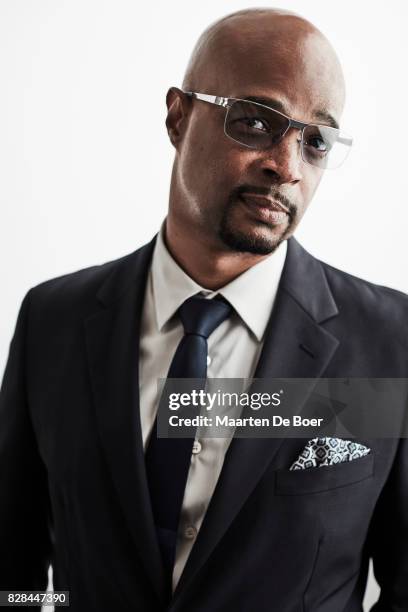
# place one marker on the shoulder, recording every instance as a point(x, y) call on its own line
point(80, 284)
point(363, 296)
point(314, 282)
point(371, 325)
point(370, 315)
point(79, 291)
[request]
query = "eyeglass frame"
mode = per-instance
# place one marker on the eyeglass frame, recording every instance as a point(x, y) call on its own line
point(293, 123)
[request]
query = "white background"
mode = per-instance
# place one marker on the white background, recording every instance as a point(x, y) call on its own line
point(84, 156)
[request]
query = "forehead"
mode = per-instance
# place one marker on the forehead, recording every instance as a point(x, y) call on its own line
point(297, 68)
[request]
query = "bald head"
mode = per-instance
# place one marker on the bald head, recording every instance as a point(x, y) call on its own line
point(279, 60)
point(251, 42)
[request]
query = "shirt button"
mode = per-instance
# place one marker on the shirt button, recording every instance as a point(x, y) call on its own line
point(190, 532)
point(209, 360)
point(197, 447)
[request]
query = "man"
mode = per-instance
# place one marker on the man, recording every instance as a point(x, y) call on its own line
point(85, 481)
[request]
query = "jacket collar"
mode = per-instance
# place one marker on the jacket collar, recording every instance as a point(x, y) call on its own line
point(303, 278)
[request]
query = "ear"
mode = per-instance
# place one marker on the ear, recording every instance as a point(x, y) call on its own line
point(178, 107)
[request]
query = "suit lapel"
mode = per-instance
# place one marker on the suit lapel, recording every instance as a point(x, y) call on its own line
point(112, 337)
point(295, 346)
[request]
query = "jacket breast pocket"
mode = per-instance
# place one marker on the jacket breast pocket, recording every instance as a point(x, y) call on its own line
point(319, 479)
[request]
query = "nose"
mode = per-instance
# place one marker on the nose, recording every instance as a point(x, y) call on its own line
point(282, 161)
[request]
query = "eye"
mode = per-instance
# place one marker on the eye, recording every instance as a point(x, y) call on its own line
point(255, 123)
point(317, 143)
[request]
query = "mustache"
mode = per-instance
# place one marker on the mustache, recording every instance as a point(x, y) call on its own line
point(267, 192)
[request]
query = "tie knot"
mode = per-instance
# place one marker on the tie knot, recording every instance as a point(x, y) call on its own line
point(200, 316)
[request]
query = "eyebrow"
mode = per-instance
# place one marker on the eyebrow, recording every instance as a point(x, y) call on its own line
point(279, 106)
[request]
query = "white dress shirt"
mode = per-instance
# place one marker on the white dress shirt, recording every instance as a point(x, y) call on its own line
point(233, 352)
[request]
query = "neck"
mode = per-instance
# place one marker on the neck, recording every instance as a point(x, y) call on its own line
point(208, 263)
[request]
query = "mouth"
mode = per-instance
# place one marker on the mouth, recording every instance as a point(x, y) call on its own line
point(265, 208)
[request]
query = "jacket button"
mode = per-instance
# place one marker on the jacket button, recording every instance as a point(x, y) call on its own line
point(190, 532)
point(196, 447)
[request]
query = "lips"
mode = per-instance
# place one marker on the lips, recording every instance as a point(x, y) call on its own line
point(252, 199)
point(264, 209)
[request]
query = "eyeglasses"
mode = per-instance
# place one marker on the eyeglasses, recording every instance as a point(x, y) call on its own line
point(258, 126)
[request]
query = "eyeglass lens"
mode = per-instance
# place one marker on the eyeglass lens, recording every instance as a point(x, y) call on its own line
point(259, 127)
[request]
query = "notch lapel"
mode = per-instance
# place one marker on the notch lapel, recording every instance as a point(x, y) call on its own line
point(112, 339)
point(295, 346)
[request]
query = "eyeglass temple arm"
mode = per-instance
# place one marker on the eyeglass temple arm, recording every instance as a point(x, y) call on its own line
point(208, 98)
point(345, 140)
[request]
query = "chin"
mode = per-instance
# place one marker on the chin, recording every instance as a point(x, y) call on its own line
point(252, 240)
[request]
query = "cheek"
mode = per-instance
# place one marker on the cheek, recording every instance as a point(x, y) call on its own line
point(311, 180)
point(208, 162)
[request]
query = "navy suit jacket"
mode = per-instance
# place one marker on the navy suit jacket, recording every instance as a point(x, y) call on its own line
point(72, 476)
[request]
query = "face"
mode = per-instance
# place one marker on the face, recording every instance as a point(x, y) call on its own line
point(238, 198)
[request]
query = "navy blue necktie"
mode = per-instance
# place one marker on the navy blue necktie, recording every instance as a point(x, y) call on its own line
point(168, 459)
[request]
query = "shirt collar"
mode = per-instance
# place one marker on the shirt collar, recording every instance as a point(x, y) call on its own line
point(249, 294)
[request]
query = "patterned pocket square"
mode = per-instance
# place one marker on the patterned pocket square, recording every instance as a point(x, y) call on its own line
point(328, 451)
